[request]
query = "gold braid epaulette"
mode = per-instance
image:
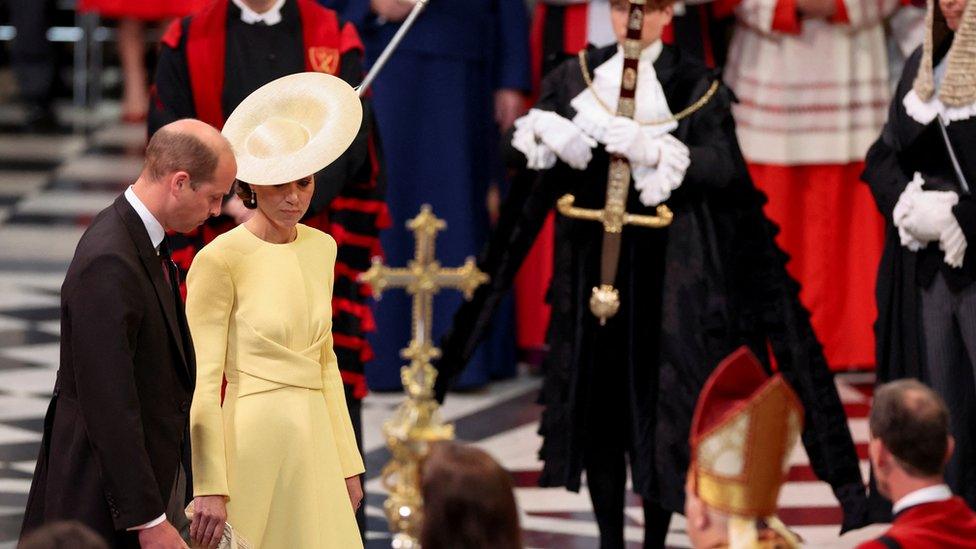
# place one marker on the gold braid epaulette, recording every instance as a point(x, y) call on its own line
point(685, 113)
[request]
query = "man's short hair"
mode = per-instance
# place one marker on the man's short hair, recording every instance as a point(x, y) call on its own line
point(912, 422)
point(171, 151)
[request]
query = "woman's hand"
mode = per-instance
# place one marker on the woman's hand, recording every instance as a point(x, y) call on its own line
point(355, 489)
point(209, 516)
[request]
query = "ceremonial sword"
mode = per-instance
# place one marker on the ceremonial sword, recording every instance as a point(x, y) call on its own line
point(605, 299)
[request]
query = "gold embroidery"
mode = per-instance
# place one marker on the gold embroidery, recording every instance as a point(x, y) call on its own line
point(324, 59)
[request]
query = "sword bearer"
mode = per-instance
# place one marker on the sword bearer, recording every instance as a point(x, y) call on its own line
point(663, 265)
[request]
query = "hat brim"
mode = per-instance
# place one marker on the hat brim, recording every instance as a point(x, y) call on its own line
point(325, 106)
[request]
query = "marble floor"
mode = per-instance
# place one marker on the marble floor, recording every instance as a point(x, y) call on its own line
point(51, 186)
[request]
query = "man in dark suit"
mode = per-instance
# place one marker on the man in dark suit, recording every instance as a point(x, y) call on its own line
point(115, 435)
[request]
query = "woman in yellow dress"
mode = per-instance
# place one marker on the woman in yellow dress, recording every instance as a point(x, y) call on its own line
point(277, 457)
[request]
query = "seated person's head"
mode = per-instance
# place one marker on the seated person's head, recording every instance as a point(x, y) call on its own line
point(657, 15)
point(910, 439)
point(468, 500)
point(63, 535)
point(745, 426)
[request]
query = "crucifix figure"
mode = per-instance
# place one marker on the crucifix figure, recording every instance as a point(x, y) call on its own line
point(417, 421)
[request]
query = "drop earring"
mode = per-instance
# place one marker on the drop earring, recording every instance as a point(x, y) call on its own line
point(253, 201)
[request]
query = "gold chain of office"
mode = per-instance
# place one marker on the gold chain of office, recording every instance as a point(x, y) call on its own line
point(688, 111)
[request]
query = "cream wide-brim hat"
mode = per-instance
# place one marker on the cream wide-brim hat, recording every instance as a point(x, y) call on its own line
point(293, 127)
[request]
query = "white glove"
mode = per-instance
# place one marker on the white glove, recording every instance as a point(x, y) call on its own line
point(624, 137)
point(593, 124)
point(653, 188)
point(656, 184)
point(953, 244)
point(902, 207)
point(537, 155)
point(564, 138)
point(930, 214)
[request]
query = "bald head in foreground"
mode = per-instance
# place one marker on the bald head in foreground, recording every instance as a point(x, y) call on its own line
point(909, 449)
point(115, 450)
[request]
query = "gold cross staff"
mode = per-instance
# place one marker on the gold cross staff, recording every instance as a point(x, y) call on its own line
point(417, 421)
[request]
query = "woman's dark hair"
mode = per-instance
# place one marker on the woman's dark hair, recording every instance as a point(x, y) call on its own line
point(468, 500)
point(246, 194)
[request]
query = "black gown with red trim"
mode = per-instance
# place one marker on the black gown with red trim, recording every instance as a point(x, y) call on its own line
point(209, 63)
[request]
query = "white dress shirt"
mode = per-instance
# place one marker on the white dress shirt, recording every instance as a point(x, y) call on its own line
point(153, 226)
point(251, 17)
point(929, 494)
point(593, 103)
point(156, 235)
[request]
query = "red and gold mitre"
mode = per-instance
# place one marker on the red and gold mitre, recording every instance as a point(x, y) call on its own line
point(745, 426)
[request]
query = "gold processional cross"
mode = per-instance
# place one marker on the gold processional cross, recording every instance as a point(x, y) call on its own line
point(417, 420)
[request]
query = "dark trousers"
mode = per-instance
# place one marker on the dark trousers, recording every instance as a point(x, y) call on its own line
point(607, 450)
point(949, 331)
point(31, 54)
point(606, 480)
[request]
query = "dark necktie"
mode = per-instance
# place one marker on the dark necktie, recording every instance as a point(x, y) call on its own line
point(170, 272)
point(172, 275)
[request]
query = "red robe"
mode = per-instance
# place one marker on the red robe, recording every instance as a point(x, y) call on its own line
point(353, 217)
point(150, 10)
point(808, 110)
point(948, 524)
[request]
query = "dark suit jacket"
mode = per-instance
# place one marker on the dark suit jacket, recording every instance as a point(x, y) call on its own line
point(115, 431)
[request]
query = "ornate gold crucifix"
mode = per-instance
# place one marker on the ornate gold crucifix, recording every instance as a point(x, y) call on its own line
point(417, 421)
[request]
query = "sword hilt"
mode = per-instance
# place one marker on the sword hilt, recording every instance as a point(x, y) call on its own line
point(662, 219)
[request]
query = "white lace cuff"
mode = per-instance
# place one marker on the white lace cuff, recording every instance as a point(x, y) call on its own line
point(592, 119)
point(926, 111)
point(953, 244)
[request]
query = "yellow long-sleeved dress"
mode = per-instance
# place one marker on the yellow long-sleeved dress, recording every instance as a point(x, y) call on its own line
point(282, 444)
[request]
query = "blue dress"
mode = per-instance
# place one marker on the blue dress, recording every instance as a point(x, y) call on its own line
point(434, 108)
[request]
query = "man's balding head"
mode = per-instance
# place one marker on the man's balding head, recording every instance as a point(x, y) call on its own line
point(189, 146)
point(189, 168)
point(912, 422)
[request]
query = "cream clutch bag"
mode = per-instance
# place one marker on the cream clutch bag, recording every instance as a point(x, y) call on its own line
point(230, 539)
